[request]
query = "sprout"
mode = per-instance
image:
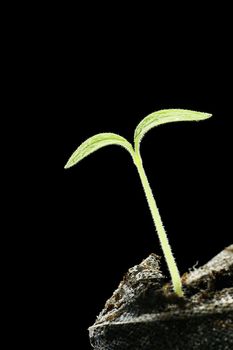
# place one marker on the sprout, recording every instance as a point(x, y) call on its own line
point(93, 143)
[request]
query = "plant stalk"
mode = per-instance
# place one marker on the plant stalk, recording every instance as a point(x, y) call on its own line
point(172, 267)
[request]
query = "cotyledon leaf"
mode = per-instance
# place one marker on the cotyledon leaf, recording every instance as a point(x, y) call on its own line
point(95, 142)
point(162, 117)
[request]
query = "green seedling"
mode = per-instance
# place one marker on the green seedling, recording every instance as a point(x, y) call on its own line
point(95, 142)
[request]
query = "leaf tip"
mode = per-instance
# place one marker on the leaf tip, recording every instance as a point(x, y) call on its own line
point(68, 164)
point(208, 115)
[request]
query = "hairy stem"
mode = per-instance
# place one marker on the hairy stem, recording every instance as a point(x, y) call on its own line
point(175, 276)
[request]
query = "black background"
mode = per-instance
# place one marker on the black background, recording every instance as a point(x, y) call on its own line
point(104, 74)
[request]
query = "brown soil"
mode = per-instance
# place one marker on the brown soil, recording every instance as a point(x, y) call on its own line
point(144, 313)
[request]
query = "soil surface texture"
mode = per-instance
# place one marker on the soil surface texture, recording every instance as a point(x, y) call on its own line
point(144, 313)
